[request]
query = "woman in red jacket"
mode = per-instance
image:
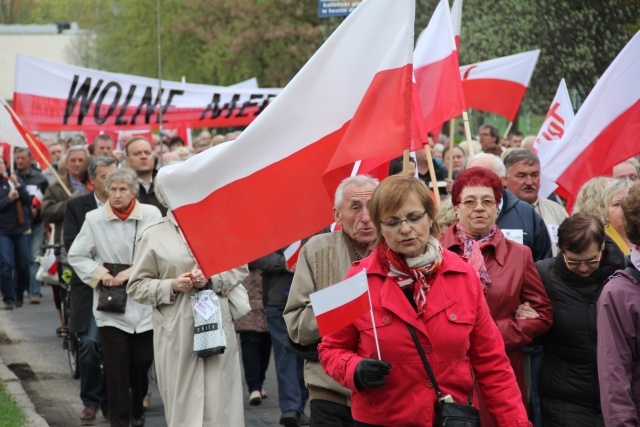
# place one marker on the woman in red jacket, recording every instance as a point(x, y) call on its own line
point(515, 294)
point(414, 281)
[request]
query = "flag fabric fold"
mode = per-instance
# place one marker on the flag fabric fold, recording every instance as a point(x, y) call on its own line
point(606, 129)
point(341, 304)
point(456, 21)
point(557, 120)
point(499, 85)
point(274, 185)
point(438, 88)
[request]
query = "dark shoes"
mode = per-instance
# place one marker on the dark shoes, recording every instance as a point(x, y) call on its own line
point(138, 422)
point(88, 415)
point(8, 306)
point(305, 420)
point(19, 303)
point(290, 419)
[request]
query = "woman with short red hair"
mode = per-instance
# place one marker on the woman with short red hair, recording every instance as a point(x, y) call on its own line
point(516, 297)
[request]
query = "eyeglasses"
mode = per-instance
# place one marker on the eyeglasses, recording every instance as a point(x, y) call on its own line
point(472, 203)
point(395, 223)
point(591, 263)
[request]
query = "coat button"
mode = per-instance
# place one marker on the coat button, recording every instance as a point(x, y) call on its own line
point(427, 349)
point(429, 384)
point(453, 317)
point(385, 319)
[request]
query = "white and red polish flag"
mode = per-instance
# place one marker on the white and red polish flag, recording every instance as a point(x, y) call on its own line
point(14, 133)
point(456, 20)
point(437, 75)
point(499, 85)
point(291, 253)
point(341, 304)
point(606, 129)
point(275, 184)
point(557, 120)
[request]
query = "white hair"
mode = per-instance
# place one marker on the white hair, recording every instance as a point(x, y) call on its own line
point(489, 161)
point(358, 180)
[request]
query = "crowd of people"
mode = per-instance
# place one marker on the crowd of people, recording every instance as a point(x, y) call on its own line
point(513, 305)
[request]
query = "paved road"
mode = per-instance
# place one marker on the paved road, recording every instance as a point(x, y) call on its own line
point(30, 348)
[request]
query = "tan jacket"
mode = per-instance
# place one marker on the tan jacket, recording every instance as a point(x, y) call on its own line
point(553, 214)
point(323, 261)
point(161, 256)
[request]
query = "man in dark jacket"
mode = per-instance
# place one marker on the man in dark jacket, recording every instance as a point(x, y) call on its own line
point(292, 393)
point(517, 219)
point(92, 385)
point(140, 158)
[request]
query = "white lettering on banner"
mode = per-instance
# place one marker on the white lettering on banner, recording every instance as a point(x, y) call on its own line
point(514, 235)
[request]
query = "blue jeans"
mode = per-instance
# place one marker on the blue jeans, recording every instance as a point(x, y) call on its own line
point(92, 382)
point(37, 240)
point(292, 393)
point(15, 251)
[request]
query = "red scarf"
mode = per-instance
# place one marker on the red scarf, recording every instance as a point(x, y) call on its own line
point(405, 276)
point(125, 214)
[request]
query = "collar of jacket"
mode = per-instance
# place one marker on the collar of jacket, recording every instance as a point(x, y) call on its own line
point(451, 241)
point(110, 216)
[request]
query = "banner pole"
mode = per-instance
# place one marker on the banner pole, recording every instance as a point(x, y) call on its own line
point(467, 132)
point(405, 161)
point(159, 76)
point(452, 124)
point(373, 321)
point(432, 174)
point(11, 154)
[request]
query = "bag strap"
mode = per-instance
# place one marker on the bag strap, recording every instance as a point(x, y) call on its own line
point(427, 366)
point(635, 273)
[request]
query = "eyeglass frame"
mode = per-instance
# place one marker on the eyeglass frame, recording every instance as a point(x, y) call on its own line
point(577, 264)
point(410, 221)
point(486, 203)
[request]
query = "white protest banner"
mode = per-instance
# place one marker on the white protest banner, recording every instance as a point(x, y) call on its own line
point(49, 96)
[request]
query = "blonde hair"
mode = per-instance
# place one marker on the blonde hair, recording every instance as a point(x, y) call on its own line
point(591, 198)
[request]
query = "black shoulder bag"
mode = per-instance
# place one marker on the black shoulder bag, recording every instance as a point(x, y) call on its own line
point(448, 412)
point(113, 299)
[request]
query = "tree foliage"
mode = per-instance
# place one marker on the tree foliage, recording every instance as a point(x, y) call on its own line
point(226, 41)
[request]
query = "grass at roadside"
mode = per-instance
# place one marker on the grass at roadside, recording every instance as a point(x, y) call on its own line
point(12, 416)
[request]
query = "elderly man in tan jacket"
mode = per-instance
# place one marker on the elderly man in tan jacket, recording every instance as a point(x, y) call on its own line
point(324, 261)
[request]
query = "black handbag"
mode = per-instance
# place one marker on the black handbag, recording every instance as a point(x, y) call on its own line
point(448, 413)
point(113, 299)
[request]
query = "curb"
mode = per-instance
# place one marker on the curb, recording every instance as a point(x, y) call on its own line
point(14, 388)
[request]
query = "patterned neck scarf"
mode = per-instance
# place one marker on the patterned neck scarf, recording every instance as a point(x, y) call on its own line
point(417, 272)
point(472, 251)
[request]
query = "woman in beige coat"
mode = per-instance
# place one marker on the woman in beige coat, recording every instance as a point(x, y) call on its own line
point(195, 391)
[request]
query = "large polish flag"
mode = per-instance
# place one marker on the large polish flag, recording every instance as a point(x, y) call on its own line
point(341, 304)
point(275, 184)
point(456, 20)
point(606, 129)
point(557, 120)
point(499, 85)
point(437, 73)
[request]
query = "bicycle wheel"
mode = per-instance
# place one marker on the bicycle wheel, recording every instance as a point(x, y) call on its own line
point(72, 355)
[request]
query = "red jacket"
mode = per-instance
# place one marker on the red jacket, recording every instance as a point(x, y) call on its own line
point(456, 332)
point(515, 280)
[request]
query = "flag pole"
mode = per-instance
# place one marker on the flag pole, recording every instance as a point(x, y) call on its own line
point(452, 124)
point(373, 321)
point(11, 154)
point(432, 173)
point(159, 77)
point(405, 161)
point(467, 132)
point(506, 132)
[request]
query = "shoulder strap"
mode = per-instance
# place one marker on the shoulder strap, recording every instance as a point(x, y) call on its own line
point(635, 273)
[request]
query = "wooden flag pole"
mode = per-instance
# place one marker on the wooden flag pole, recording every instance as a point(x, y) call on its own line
point(11, 154)
point(506, 132)
point(49, 165)
point(405, 161)
point(452, 124)
point(467, 132)
point(432, 174)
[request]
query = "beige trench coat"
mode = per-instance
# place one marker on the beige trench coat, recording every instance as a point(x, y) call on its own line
point(195, 391)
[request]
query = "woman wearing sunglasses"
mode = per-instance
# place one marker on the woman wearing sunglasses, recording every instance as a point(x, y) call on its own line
point(568, 373)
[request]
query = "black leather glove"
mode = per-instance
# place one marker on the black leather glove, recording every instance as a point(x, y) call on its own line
point(370, 373)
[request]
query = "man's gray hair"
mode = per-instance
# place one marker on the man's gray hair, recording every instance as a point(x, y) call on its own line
point(73, 148)
point(520, 155)
point(100, 161)
point(358, 181)
point(496, 165)
point(23, 150)
point(126, 175)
